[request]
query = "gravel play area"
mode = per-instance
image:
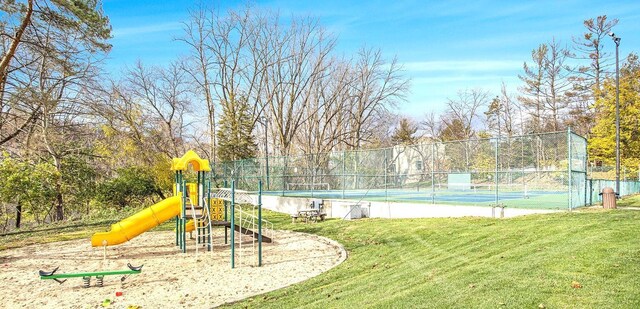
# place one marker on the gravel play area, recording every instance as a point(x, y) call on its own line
point(169, 278)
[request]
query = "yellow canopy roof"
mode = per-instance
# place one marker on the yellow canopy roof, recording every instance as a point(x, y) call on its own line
point(191, 157)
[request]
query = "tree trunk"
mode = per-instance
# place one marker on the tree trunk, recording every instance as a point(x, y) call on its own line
point(59, 201)
point(18, 214)
point(6, 58)
point(159, 192)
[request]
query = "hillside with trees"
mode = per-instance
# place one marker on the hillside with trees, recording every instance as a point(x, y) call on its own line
point(75, 140)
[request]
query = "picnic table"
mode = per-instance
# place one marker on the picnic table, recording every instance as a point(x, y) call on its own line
point(310, 214)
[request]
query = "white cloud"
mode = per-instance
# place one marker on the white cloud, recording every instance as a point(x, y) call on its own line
point(478, 80)
point(463, 66)
point(146, 29)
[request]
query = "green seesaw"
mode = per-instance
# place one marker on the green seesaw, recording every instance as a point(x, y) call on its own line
point(86, 276)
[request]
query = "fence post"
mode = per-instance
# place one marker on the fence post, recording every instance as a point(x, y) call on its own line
point(344, 180)
point(232, 225)
point(284, 173)
point(586, 176)
point(497, 152)
point(569, 176)
point(433, 169)
point(260, 223)
point(386, 167)
point(590, 191)
point(311, 165)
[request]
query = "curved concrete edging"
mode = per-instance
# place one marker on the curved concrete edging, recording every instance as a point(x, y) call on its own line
point(341, 250)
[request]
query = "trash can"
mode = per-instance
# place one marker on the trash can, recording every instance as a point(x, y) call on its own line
point(608, 198)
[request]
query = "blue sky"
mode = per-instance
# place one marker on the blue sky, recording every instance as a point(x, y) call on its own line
point(445, 46)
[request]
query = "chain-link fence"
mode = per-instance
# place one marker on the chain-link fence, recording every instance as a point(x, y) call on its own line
point(595, 186)
point(532, 171)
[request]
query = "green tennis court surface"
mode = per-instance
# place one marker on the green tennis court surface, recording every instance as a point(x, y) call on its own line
point(539, 199)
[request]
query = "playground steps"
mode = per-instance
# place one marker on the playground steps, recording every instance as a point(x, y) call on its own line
point(240, 229)
point(195, 211)
point(202, 222)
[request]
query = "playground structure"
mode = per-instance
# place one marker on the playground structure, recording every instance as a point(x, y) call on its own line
point(198, 208)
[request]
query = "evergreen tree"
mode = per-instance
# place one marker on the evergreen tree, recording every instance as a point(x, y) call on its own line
point(593, 68)
point(235, 140)
point(590, 47)
point(532, 98)
point(405, 132)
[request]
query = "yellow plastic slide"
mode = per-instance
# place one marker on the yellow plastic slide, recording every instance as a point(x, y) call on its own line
point(139, 223)
point(190, 226)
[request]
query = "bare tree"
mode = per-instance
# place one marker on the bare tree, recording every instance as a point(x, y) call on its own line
point(504, 118)
point(164, 96)
point(230, 54)
point(304, 64)
point(511, 112)
point(58, 86)
point(459, 123)
point(201, 68)
point(463, 114)
point(310, 100)
point(327, 112)
point(432, 125)
point(378, 86)
point(40, 26)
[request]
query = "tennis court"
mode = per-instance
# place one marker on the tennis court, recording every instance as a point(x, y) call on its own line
point(537, 171)
point(541, 199)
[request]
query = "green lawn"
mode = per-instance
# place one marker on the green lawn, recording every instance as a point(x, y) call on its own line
point(521, 262)
point(475, 262)
point(632, 201)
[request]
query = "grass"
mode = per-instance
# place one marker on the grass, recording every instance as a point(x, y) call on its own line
point(586, 259)
point(52, 233)
point(631, 201)
point(66, 230)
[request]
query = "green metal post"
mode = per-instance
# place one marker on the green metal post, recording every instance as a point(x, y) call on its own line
point(232, 226)
point(226, 215)
point(344, 170)
point(183, 222)
point(433, 169)
point(586, 179)
point(284, 175)
point(177, 192)
point(355, 169)
point(198, 226)
point(313, 178)
point(178, 188)
point(569, 176)
point(210, 241)
point(266, 159)
point(260, 223)
point(386, 166)
point(199, 203)
point(497, 164)
point(524, 175)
